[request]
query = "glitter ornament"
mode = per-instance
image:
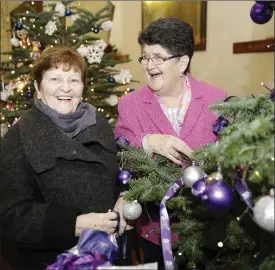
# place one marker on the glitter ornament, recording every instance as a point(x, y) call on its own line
point(132, 210)
point(264, 213)
point(192, 174)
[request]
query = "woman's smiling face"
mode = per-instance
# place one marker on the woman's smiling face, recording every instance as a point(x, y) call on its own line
point(61, 90)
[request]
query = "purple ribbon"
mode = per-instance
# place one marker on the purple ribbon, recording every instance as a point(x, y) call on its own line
point(165, 225)
point(96, 248)
point(245, 192)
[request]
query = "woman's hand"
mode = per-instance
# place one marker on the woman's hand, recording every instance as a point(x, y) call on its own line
point(97, 221)
point(123, 226)
point(169, 146)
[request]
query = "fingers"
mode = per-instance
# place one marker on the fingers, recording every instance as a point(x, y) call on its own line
point(181, 147)
point(173, 159)
point(111, 215)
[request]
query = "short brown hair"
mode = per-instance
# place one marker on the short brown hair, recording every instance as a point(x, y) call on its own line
point(56, 56)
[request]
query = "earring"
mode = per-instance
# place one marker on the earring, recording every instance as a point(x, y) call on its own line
point(181, 74)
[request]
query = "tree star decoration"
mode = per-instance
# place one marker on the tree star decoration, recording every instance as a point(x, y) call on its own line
point(60, 9)
point(50, 28)
point(123, 77)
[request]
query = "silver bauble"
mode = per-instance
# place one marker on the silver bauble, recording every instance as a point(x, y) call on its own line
point(192, 174)
point(132, 210)
point(264, 213)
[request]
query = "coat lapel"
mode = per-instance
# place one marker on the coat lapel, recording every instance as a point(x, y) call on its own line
point(195, 108)
point(43, 142)
point(155, 112)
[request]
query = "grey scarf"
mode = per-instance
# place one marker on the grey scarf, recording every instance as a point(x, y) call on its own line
point(71, 124)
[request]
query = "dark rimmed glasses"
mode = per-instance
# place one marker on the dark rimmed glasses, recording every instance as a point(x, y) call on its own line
point(157, 60)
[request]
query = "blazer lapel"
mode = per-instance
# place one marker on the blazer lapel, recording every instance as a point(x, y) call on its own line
point(195, 109)
point(155, 112)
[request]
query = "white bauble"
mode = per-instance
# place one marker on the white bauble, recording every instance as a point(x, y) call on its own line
point(14, 41)
point(132, 210)
point(112, 100)
point(192, 174)
point(83, 51)
point(107, 26)
point(264, 213)
point(4, 129)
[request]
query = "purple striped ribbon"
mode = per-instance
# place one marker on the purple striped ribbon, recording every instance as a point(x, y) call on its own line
point(165, 225)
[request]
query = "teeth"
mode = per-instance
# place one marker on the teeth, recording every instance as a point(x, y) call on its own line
point(64, 98)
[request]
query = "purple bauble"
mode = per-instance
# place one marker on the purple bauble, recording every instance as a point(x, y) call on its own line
point(41, 47)
point(261, 14)
point(122, 140)
point(111, 79)
point(68, 12)
point(19, 26)
point(219, 125)
point(198, 188)
point(124, 176)
point(218, 196)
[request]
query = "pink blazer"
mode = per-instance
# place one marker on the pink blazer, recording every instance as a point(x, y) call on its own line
point(141, 114)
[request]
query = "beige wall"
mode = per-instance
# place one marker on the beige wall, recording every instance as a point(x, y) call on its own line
point(227, 22)
point(6, 8)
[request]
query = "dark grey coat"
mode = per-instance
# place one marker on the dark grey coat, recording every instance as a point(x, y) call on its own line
point(46, 181)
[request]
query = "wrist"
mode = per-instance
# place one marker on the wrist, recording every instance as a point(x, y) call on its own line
point(146, 145)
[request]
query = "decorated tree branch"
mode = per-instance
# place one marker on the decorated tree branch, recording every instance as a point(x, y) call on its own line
point(224, 201)
point(35, 31)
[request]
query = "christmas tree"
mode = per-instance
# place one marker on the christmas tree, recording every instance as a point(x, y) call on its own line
point(35, 31)
point(224, 206)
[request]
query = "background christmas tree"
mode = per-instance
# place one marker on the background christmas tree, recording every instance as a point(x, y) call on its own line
point(235, 231)
point(35, 31)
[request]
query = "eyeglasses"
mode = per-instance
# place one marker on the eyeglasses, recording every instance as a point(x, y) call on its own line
point(157, 60)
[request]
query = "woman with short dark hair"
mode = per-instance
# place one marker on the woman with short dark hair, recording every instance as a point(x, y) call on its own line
point(170, 116)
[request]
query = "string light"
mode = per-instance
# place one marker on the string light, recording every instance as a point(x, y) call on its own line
point(24, 18)
point(92, 90)
point(41, 27)
point(238, 218)
point(55, 41)
point(12, 72)
point(74, 40)
point(220, 244)
point(32, 3)
point(33, 26)
point(257, 174)
point(27, 12)
point(272, 158)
